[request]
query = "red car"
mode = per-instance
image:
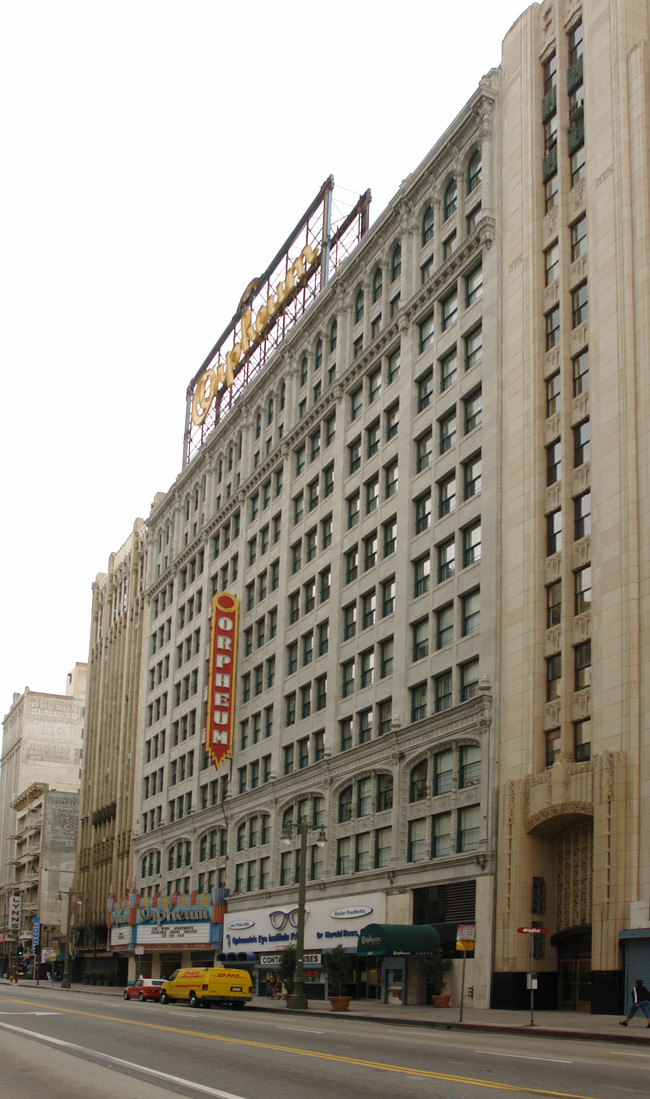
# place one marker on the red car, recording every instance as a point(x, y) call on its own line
point(144, 989)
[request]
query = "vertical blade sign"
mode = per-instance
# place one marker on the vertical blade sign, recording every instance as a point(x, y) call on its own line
point(221, 686)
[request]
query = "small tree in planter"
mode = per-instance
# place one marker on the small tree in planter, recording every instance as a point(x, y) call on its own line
point(287, 969)
point(436, 968)
point(338, 966)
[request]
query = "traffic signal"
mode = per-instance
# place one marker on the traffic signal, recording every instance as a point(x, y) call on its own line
point(20, 951)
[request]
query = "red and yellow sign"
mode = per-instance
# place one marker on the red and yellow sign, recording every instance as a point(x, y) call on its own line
point(221, 683)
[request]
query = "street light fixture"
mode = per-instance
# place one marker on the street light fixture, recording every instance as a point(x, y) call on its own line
point(298, 998)
point(65, 979)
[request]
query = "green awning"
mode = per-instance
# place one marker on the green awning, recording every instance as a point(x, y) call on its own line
point(395, 939)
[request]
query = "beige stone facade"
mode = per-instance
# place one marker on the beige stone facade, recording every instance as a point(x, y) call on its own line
point(110, 770)
point(41, 752)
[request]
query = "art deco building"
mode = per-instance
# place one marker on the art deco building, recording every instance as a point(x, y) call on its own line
point(41, 755)
point(430, 501)
point(110, 767)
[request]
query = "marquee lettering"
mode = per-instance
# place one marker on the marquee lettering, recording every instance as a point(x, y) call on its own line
point(252, 332)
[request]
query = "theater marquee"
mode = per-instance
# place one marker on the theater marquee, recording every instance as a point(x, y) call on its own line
point(268, 308)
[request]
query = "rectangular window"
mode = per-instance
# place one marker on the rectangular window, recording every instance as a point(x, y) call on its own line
point(418, 702)
point(374, 385)
point(343, 860)
point(424, 451)
point(470, 612)
point(553, 677)
point(383, 847)
point(422, 506)
point(367, 666)
point(417, 841)
point(443, 691)
point(351, 564)
point(581, 373)
point(582, 582)
point(356, 403)
point(420, 639)
point(582, 662)
point(391, 479)
point(550, 192)
point(421, 575)
point(388, 596)
point(345, 732)
point(370, 550)
point(553, 394)
point(354, 455)
point(581, 443)
point(468, 680)
point(353, 508)
point(368, 609)
point(347, 678)
point(472, 544)
point(474, 286)
point(362, 852)
point(373, 438)
point(371, 491)
point(473, 409)
point(394, 361)
point(554, 462)
point(469, 828)
point(449, 310)
point(552, 738)
point(447, 429)
point(577, 164)
point(425, 390)
point(447, 495)
point(553, 328)
point(473, 348)
point(582, 740)
point(554, 604)
point(444, 626)
point(364, 718)
point(446, 560)
point(472, 476)
point(441, 835)
point(386, 651)
point(384, 717)
point(582, 512)
point(391, 418)
point(426, 332)
point(552, 264)
point(579, 238)
point(448, 370)
point(580, 305)
point(553, 532)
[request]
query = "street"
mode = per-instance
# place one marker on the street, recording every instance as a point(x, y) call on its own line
point(65, 1044)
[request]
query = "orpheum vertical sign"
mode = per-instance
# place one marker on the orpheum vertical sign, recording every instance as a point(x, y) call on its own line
point(221, 682)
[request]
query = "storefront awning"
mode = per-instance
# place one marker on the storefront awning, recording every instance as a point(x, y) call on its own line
point(396, 939)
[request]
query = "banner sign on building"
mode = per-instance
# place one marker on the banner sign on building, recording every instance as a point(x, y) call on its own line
point(221, 683)
point(14, 912)
point(268, 308)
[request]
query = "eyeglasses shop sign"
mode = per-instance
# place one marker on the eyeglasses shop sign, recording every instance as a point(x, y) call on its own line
point(326, 923)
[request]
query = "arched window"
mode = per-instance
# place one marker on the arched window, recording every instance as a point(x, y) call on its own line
point(282, 398)
point(258, 425)
point(377, 285)
point(427, 224)
point(345, 805)
point(396, 262)
point(318, 355)
point(358, 306)
point(170, 859)
point(451, 199)
point(241, 836)
point(303, 370)
point(474, 169)
point(269, 411)
point(333, 333)
point(418, 782)
point(384, 792)
point(144, 866)
point(287, 818)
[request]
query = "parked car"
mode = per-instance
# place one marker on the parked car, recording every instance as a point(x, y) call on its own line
point(144, 989)
point(204, 987)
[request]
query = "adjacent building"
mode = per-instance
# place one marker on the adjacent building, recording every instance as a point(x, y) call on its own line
point(39, 788)
point(110, 763)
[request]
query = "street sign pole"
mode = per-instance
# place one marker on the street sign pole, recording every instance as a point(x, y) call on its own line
point(532, 976)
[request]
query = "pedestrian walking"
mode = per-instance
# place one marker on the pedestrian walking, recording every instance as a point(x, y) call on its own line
point(640, 998)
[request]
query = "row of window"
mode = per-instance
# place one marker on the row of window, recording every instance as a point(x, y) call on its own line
point(581, 596)
point(581, 671)
point(581, 523)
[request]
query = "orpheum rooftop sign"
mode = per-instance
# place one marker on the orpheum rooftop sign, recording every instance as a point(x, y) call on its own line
point(269, 307)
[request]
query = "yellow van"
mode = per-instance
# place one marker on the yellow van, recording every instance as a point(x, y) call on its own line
point(204, 987)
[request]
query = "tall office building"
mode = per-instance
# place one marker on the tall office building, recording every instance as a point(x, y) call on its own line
point(440, 656)
point(110, 766)
point(41, 752)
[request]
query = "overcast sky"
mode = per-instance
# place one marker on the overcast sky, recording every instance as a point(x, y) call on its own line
point(155, 156)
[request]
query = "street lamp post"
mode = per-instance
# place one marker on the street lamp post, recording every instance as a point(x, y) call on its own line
point(65, 979)
point(298, 998)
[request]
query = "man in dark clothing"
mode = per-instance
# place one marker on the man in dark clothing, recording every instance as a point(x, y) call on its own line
point(640, 998)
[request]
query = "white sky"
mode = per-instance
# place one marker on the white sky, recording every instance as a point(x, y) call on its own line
point(155, 155)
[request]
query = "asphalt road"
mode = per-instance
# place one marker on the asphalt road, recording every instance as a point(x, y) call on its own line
point(63, 1045)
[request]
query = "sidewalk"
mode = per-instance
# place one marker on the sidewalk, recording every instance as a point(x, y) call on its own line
point(568, 1024)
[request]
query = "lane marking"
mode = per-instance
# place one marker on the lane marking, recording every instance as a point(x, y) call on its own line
point(315, 1054)
point(14, 1013)
point(122, 1064)
point(522, 1056)
point(302, 1029)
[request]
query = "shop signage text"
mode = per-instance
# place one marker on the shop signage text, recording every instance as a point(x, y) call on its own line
point(221, 686)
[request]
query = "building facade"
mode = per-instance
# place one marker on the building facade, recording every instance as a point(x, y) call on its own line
point(440, 654)
point(41, 755)
point(110, 759)
point(349, 502)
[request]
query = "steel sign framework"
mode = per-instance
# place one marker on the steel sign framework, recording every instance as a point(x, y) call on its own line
point(268, 308)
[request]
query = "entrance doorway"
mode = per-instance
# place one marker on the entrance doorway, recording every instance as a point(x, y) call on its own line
point(574, 972)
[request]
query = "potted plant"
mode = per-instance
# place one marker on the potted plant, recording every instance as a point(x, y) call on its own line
point(287, 971)
point(338, 966)
point(436, 968)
